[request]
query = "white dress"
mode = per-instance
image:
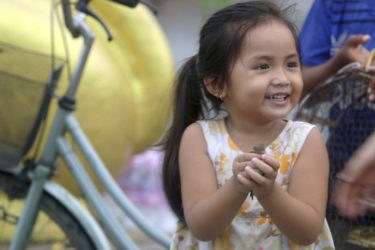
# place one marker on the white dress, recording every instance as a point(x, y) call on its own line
point(252, 228)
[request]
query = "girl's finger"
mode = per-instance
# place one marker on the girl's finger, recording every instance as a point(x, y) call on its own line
point(245, 181)
point(270, 160)
point(243, 164)
point(244, 174)
point(255, 176)
point(264, 168)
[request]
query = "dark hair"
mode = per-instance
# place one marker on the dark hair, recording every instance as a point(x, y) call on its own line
point(220, 42)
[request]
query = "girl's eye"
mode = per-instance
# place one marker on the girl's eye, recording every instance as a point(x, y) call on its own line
point(262, 67)
point(292, 64)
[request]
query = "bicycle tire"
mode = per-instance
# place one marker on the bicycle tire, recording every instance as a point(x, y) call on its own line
point(53, 218)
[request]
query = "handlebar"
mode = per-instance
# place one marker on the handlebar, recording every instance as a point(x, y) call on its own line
point(77, 26)
point(130, 3)
point(82, 6)
point(133, 3)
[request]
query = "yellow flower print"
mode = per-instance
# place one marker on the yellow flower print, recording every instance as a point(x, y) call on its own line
point(317, 242)
point(293, 246)
point(218, 127)
point(284, 162)
point(180, 237)
point(285, 182)
point(223, 159)
point(273, 233)
point(276, 146)
point(294, 157)
point(232, 145)
point(223, 241)
point(244, 209)
point(264, 219)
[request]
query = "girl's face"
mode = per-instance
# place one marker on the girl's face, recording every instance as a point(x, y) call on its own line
point(265, 82)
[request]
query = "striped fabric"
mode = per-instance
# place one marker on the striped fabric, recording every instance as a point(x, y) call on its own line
point(328, 25)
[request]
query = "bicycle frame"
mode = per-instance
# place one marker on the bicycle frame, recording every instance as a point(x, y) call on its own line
point(57, 145)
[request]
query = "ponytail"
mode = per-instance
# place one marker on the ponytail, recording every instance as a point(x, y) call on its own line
point(220, 44)
point(186, 110)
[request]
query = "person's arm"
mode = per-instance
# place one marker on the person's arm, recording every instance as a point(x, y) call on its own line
point(314, 75)
point(352, 51)
point(355, 184)
point(299, 212)
point(208, 210)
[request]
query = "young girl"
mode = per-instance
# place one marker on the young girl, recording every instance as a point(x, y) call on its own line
point(225, 195)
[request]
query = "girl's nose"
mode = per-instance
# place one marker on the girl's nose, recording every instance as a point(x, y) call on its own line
point(280, 78)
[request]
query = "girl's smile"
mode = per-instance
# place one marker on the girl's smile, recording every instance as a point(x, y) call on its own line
point(265, 81)
point(278, 99)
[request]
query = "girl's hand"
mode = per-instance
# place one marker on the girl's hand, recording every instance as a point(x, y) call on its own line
point(238, 169)
point(254, 172)
point(260, 175)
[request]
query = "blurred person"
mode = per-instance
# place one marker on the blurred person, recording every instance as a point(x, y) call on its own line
point(354, 190)
point(334, 34)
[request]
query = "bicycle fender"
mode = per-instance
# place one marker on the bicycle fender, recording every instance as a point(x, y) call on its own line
point(87, 221)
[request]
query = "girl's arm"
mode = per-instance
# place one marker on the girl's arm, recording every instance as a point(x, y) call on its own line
point(299, 212)
point(208, 210)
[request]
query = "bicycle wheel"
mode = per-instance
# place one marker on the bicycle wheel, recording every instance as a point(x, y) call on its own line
point(55, 228)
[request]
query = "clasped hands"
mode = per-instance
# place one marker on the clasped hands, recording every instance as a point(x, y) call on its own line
point(255, 173)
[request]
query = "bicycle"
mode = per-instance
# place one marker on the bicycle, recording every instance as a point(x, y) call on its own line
point(32, 180)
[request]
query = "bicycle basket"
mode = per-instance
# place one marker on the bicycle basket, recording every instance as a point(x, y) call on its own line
point(340, 108)
point(27, 81)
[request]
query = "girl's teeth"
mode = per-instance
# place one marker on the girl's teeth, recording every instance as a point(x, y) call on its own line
point(278, 97)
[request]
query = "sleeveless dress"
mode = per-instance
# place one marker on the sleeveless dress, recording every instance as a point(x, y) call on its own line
point(252, 228)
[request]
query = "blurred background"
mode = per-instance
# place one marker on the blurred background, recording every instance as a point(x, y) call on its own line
point(181, 20)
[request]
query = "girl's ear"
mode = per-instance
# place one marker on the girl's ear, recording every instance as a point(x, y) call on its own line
point(212, 86)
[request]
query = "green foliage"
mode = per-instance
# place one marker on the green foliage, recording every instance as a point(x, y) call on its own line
point(209, 6)
point(215, 3)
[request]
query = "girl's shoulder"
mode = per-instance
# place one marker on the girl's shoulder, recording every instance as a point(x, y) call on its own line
point(300, 124)
point(295, 133)
point(206, 127)
point(212, 126)
point(211, 122)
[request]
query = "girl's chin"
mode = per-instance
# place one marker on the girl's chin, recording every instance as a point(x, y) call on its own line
point(282, 113)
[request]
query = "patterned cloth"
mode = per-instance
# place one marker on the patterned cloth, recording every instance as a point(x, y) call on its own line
point(252, 228)
point(329, 24)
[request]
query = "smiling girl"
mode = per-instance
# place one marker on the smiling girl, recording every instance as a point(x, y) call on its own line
point(247, 65)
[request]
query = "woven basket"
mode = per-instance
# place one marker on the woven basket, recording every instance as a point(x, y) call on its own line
point(27, 81)
point(340, 108)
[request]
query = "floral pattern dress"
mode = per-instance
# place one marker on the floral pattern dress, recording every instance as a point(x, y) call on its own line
point(252, 228)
